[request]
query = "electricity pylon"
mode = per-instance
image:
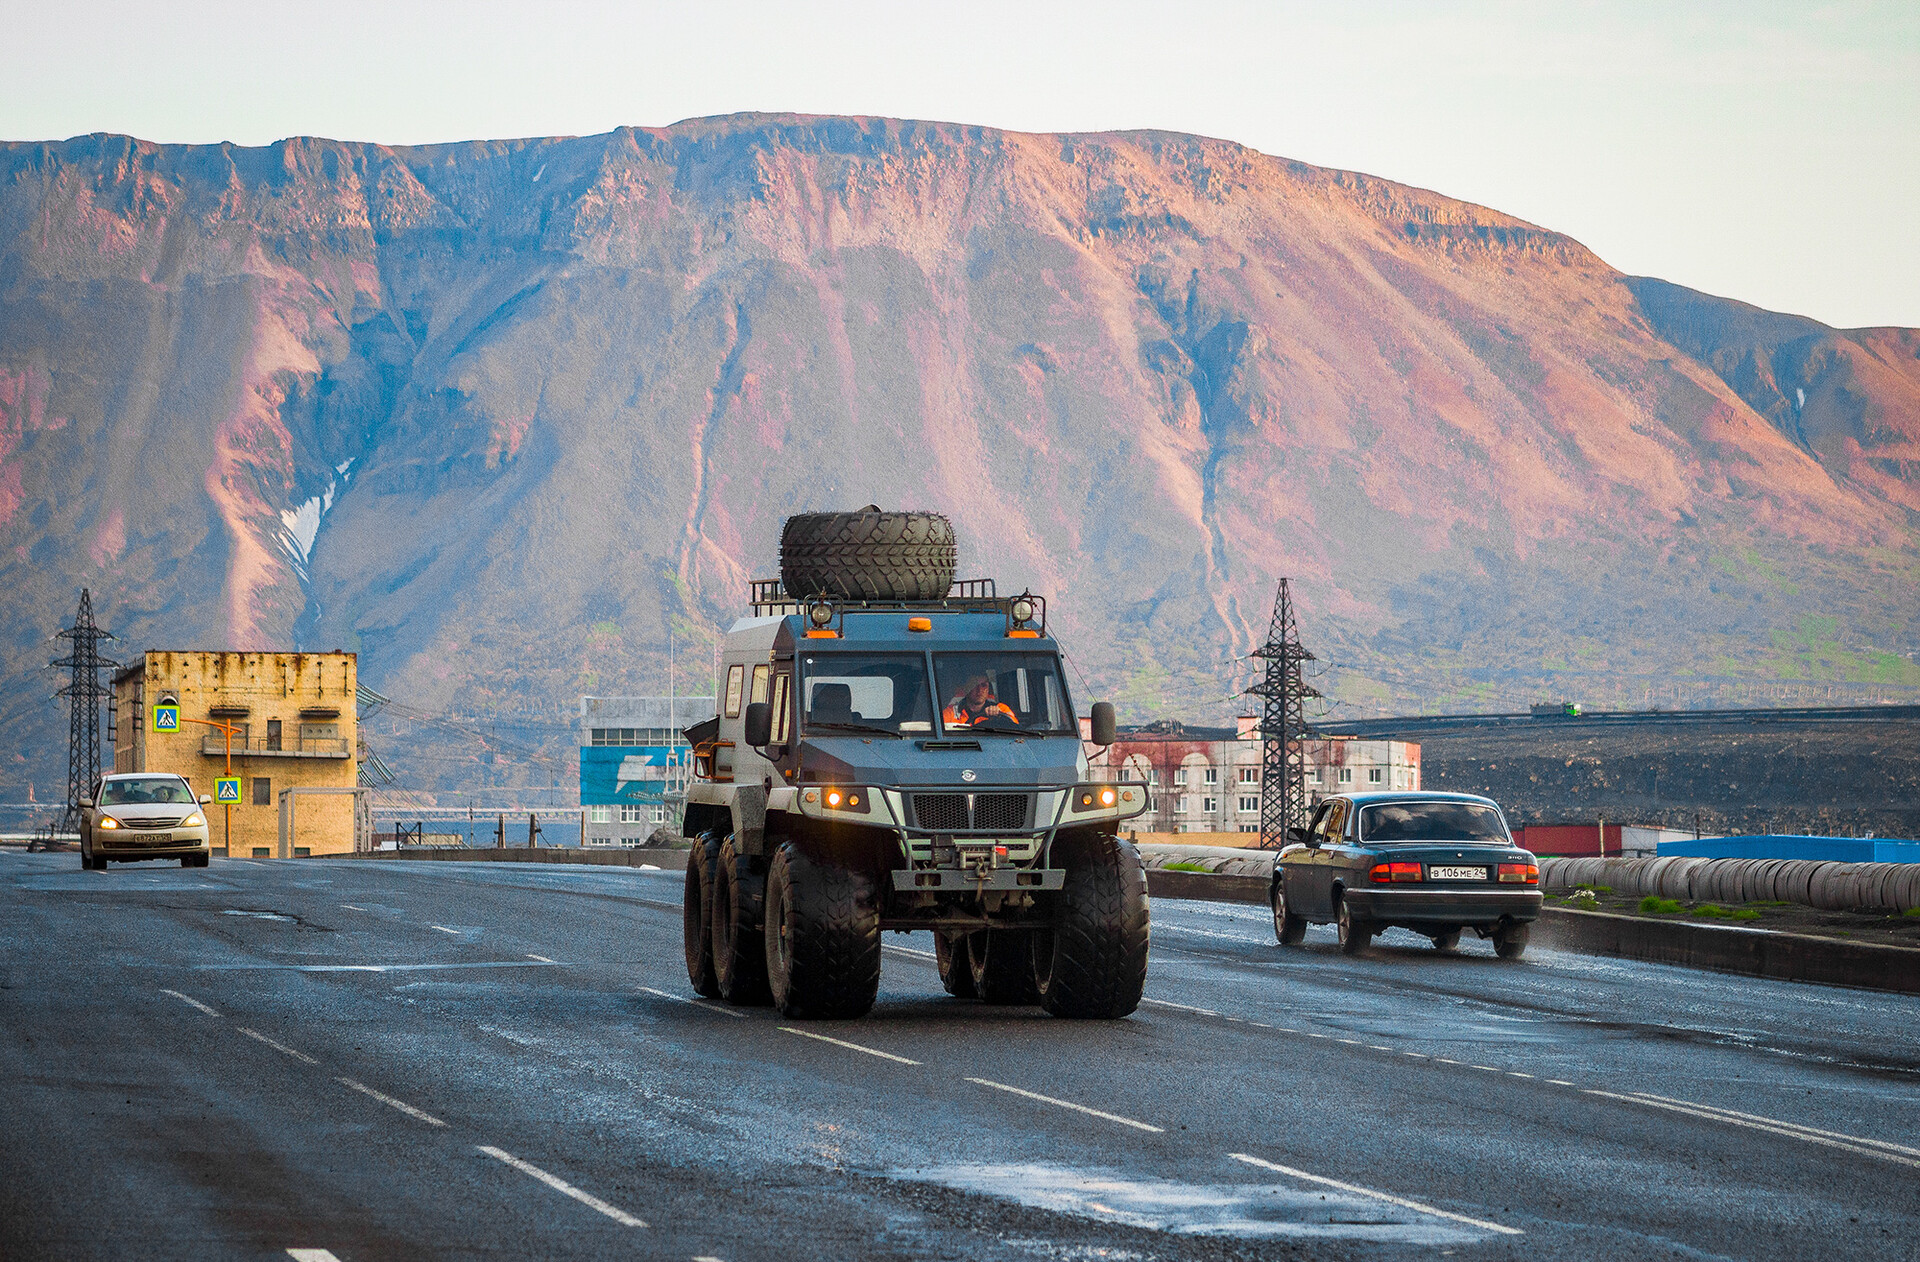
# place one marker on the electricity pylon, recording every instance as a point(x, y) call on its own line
point(1283, 783)
point(84, 691)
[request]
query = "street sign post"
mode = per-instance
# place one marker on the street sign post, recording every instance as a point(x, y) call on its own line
point(166, 718)
point(226, 790)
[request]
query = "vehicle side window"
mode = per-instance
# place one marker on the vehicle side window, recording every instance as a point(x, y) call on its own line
point(1335, 821)
point(759, 690)
point(735, 674)
point(780, 709)
point(1318, 828)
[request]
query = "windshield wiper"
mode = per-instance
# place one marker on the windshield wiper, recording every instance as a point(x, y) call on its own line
point(853, 727)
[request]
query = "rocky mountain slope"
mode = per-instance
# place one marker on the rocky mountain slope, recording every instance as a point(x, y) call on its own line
point(502, 416)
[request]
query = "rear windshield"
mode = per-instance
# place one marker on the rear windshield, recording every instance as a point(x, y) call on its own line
point(1432, 821)
point(165, 789)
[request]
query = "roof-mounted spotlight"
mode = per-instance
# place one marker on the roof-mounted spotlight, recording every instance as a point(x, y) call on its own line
point(1022, 610)
point(820, 613)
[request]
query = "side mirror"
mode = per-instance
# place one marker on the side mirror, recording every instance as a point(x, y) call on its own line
point(1297, 834)
point(204, 799)
point(759, 724)
point(86, 803)
point(1102, 724)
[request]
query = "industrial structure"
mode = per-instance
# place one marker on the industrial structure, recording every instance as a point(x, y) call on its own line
point(635, 764)
point(1210, 779)
point(1283, 790)
point(84, 693)
point(271, 737)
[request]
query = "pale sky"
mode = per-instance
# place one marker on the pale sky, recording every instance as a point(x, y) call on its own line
point(1766, 152)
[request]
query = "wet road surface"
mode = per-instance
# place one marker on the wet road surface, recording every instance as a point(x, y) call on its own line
point(396, 1059)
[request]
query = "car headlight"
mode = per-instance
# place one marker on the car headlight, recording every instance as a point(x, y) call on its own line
point(195, 820)
point(108, 821)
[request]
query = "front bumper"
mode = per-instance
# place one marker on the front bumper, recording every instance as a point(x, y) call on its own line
point(1443, 907)
point(130, 844)
point(971, 881)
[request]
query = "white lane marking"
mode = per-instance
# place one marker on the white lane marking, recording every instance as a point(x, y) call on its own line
point(1388, 1197)
point(1558, 1082)
point(444, 929)
point(351, 907)
point(1488, 1068)
point(543, 959)
point(311, 1255)
point(1769, 1127)
point(697, 1003)
point(871, 1051)
point(702, 1257)
point(402, 1105)
point(1375, 1047)
point(1417, 1055)
point(1068, 1104)
point(362, 968)
point(924, 955)
point(1181, 1007)
point(278, 1047)
point(189, 999)
point(591, 1201)
point(1811, 1130)
point(1352, 1042)
point(1514, 1073)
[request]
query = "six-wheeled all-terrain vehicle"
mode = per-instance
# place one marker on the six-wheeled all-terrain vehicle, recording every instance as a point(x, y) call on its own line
point(897, 751)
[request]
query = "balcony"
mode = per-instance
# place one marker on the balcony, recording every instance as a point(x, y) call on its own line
point(215, 746)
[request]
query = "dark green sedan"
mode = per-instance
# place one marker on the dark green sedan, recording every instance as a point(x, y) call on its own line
point(1435, 863)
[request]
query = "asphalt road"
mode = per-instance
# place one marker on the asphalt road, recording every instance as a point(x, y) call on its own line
point(388, 1060)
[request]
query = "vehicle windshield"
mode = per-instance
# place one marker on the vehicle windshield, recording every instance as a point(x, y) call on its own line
point(1432, 821)
point(865, 692)
point(146, 791)
point(1002, 692)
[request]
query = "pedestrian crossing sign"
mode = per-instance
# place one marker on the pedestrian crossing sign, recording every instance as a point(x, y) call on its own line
point(166, 718)
point(226, 789)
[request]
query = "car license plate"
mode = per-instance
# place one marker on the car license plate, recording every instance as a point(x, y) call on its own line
point(1456, 874)
point(156, 839)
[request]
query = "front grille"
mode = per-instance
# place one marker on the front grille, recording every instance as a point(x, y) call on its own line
point(941, 812)
point(1000, 810)
point(152, 823)
point(949, 813)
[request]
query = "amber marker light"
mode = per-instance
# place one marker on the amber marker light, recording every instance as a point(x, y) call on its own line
point(919, 624)
point(1106, 797)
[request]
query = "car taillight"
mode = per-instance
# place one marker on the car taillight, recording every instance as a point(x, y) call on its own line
point(1386, 872)
point(1520, 873)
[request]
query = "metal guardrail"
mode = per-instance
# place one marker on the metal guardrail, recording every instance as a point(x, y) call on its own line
point(1417, 723)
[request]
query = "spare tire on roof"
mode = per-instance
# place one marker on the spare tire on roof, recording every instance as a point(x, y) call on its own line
point(867, 555)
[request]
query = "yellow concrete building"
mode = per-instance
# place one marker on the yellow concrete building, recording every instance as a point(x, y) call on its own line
point(293, 743)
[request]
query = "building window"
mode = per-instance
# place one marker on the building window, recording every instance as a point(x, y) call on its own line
point(600, 814)
point(1209, 805)
point(1249, 806)
point(1346, 775)
point(1249, 775)
point(273, 733)
point(1210, 776)
point(634, 736)
point(659, 814)
point(629, 812)
point(1373, 775)
point(1153, 776)
point(1185, 807)
point(599, 841)
point(1249, 828)
point(262, 791)
point(1180, 775)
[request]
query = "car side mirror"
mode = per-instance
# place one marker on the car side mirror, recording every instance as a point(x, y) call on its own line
point(86, 803)
point(1104, 732)
point(758, 724)
point(1297, 834)
point(204, 799)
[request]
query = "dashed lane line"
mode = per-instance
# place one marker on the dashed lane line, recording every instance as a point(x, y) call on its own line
point(560, 1185)
point(1068, 1104)
point(278, 1047)
point(543, 959)
point(701, 1004)
point(189, 1000)
point(1789, 1131)
point(1390, 1198)
point(855, 1047)
point(1180, 1007)
point(351, 907)
point(444, 929)
point(311, 1255)
point(364, 968)
point(417, 1114)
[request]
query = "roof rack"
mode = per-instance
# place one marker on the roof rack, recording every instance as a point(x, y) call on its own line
point(973, 595)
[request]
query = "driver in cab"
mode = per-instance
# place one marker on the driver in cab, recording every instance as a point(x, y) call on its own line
point(976, 704)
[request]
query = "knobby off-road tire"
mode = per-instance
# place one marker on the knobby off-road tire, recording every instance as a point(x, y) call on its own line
point(1001, 962)
point(1355, 934)
point(696, 922)
point(823, 937)
point(1289, 928)
point(867, 555)
point(1093, 962)
point(739, 951)
point(955, 962)
point(1510, 941)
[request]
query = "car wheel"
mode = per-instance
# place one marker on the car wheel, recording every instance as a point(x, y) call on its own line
point(1288, 927)
point(1510, 941)
point(1002, 964)
point(1448, 941)
point(697, 915)
point(822, 937)
point(739, 949)
point(1355, 934)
